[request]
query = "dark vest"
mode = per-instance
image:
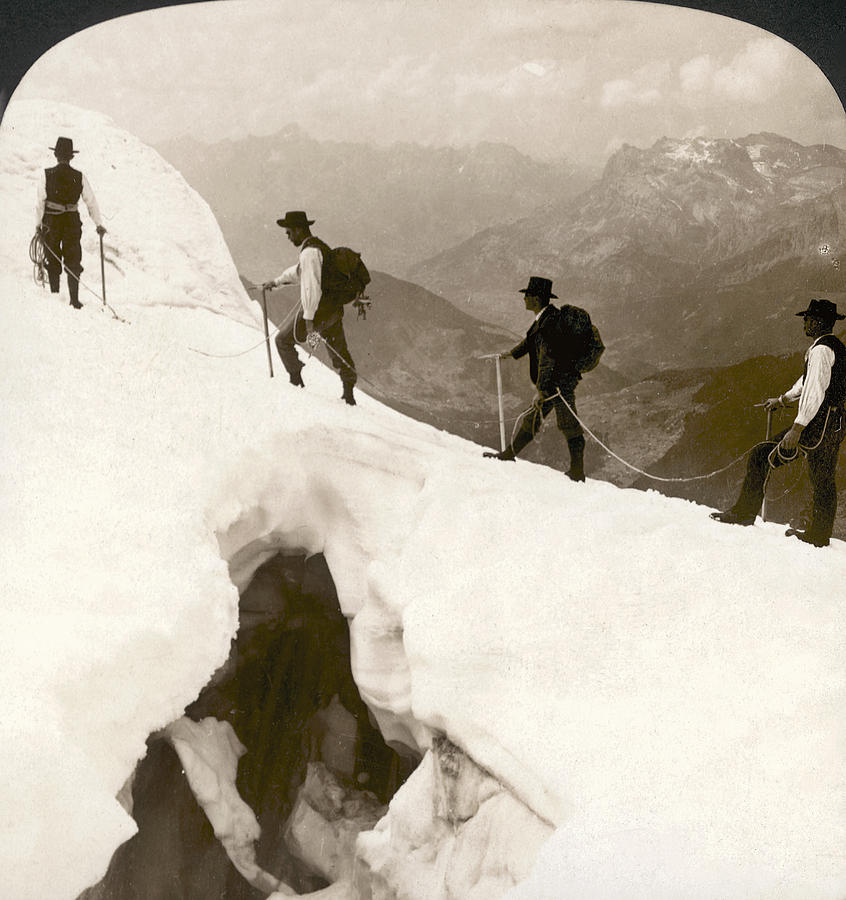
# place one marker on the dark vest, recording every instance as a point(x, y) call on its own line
point(64, 185)
point(835, 393)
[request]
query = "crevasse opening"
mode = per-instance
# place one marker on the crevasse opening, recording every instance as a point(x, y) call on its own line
point(315, 770)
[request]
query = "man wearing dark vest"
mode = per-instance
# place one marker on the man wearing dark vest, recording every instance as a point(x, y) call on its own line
point(57, 218)
point(553, 347)
point(817, 431)
point(322, 310)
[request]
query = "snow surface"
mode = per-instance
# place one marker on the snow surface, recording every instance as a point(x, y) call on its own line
point(666, 691)
point(691, 150)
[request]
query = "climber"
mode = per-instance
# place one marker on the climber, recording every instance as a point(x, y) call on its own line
point(817, 430)
point(561, 345)
point(57, 218)
point(322, 308)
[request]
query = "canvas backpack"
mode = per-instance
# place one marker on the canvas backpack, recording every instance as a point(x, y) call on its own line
point(577, 329)
point(345, 275)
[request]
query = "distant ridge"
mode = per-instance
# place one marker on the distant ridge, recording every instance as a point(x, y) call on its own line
point(674, 249)
point(398, 204)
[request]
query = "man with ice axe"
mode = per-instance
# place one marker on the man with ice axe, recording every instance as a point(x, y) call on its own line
point(322, 310)
point(57, 218)
point(556, 344)
point(816, 432)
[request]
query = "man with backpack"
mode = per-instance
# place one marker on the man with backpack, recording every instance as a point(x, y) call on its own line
point(323, 293)
point(57, 218)
point(561, 344)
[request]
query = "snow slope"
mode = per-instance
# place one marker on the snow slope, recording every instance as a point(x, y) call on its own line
point(664, 690)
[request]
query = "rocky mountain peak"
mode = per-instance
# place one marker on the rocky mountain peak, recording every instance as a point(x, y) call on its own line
point(681, 158)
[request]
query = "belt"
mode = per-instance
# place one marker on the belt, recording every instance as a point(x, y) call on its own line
point(55, 208)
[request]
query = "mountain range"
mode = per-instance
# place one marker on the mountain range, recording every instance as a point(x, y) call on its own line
point(398, 205)
point(691, 252)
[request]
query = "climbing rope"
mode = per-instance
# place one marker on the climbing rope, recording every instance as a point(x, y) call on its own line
point(537, 407)
point(36, 257)
point(68, 274)
point(315, 339)
point(628, 465)
point(293, 311)
point(787, 490)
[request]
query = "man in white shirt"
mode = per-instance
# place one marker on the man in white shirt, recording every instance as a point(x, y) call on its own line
point(57, 218)
point(816, 432)
point(322, 309)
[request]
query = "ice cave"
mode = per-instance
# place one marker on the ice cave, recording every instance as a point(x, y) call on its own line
point(313, 766)
point(265, 784)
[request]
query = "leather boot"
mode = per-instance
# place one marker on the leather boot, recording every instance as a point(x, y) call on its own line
point(347, 396)
point(506, 454)
point(576, 445)
point(807, 537)
point(73, 290)
point(730, 517)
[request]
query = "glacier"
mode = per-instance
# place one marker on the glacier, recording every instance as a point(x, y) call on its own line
point(624, 698)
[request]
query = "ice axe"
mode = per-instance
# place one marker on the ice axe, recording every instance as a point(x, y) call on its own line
point(497, 357)
point(768, 436)
point(102, 268)
point(266, 333)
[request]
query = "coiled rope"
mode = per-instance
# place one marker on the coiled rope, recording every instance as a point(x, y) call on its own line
point(36, 257)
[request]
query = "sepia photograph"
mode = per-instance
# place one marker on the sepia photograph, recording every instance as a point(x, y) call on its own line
point(421, 428)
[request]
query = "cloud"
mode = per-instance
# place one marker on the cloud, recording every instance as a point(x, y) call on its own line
point(696, 75)
point(624, 92)
point(535, 68)
point(527, 82)
point(754, 75)
point(643, 88)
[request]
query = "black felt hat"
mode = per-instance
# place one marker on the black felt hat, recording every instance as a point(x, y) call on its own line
point(822, 309)
point(539, 287)
point(64, 147)
point(295, 218)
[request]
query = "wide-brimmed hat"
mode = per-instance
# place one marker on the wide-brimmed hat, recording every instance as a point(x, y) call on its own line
point(822, 309)
point(295, 218)
point(64, 147)
point(539, 287)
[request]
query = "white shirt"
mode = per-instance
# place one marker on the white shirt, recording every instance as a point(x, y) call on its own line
point(307, 274)
point(87, 196)
point(810, 389)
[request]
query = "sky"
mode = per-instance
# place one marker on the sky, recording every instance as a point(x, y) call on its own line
point(675, 715)
point(551, 78)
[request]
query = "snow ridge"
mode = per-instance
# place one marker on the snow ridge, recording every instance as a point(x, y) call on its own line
point(665, 691)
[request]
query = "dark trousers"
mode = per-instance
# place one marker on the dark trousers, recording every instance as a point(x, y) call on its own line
point(62, 242)
point(331, 328)
point(822, 466)
point(568, 424)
